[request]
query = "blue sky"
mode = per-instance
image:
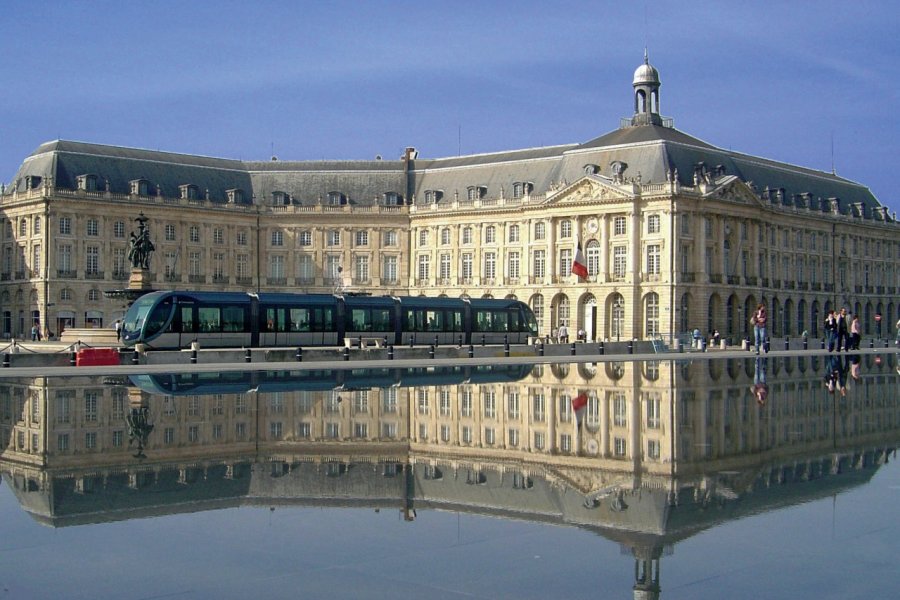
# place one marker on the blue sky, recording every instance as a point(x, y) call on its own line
point(352, 80)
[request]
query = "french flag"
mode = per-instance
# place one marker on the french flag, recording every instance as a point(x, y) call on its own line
point(579, 405)
point(578, 265)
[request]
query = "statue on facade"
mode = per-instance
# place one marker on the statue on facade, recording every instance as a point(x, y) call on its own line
point(141, 248)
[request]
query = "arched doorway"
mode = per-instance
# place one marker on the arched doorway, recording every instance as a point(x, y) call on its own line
point(814, 319)
point(731, 315)
point(651, 314)
point(589, 316)
point(615, 307)
point(787, 315)
point(801, 317)
point(714, 306)
point(685, 322)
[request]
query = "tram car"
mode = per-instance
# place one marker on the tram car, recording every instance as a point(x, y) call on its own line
point(174, 319)
point(264, 382)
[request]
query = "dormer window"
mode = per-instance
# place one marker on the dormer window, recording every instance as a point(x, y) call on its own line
point(32, 182)
point(139, 187)
point(189, 191)
point(392, 199)
point(476, 192)
point(335, 199)
point(591, 169)
point(235, 196)
point(433, 196)
point(281, 199)
point(522, 188)
point(87, 183)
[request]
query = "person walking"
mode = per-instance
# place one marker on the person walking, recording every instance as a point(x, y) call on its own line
point(897, 341)
point(855, 333)
point(843, 330)
point(118, 325)
point(562, 334)
point(34, 333)
point(759, 318)
point(831, 329)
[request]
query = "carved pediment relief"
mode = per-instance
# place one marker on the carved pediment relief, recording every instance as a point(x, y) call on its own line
point(589, 189)
point(733, 190)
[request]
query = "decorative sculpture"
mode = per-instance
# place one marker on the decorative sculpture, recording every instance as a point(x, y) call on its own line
point(141, 248)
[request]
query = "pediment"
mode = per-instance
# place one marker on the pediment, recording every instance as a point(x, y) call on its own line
point(733, 189)
point(591, 189)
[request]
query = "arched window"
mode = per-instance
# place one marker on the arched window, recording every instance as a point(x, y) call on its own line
point(537, 306)
point(540, 231)
point(513, 233)
point(593, 258)
point(490, 234)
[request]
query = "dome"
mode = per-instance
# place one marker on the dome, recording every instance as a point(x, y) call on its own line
point(646, 73)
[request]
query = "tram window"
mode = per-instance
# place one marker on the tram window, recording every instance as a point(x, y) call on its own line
point(501, 321)
point(157, 319)
point(381, 319)
point(489, 320)
point(233, 318)
point(187, 319)
point(323, 319)
point(210, 318)
point(270, 319)
point(300, 319)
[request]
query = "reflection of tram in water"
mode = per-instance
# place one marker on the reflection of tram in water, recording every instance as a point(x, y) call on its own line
point(239, 382)
point(174, 319)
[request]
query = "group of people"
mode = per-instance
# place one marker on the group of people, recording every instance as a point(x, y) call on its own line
point(842, 331)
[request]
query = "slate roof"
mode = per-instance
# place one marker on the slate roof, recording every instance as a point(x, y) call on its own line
point(648, 150)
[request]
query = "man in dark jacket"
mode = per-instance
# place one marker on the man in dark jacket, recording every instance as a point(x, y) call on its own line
point(843, 330)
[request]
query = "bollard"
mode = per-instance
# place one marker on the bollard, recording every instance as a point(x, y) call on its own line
point(703, 345)
point(506, 348)
point(193, 356)
point(384, 341)
point(6, 360)
point(631, 346)
point(768, 344)
point(572, 349)
point(541, 349)
point(135, 357)
point(346, 353)
point(506, 339)
point(460, 340)
point(391, 352)
point(431, 351)
point(73, 359)
point(360, 345)
point(471, 351)
point(247, 357)
point(601, 348)
point(871, 343)
point(805, 344)
point(412, 340)
point(482, 339)
point(823, 344)
point(787, 343)
point(299, 353)
point(435, 340)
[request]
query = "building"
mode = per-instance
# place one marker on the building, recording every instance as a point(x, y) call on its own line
point(677, 233)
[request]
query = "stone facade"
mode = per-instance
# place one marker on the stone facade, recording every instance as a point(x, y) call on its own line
point(677, 234)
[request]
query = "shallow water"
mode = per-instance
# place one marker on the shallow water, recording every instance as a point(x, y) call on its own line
point(457, 483)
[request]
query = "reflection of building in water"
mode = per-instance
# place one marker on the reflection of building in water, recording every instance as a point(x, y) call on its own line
point(659, 444)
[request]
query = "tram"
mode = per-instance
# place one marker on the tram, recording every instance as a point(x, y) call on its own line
point(241, 382)
point(174, 319)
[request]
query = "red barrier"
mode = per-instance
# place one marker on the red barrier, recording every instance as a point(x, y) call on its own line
point(97, 357)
